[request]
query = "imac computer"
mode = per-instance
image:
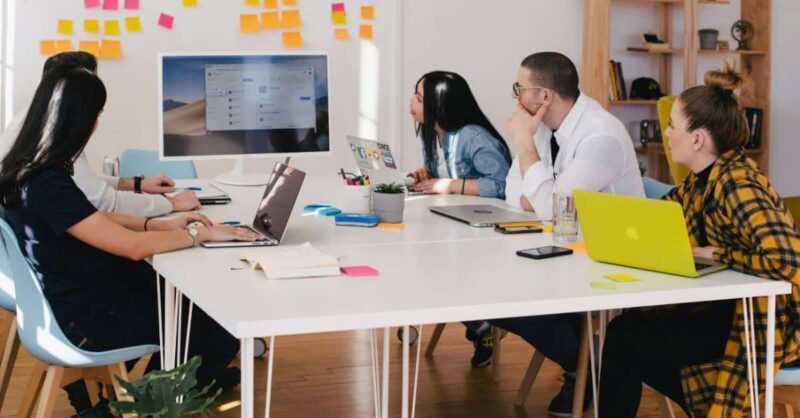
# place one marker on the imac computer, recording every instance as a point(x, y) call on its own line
point(237, 106)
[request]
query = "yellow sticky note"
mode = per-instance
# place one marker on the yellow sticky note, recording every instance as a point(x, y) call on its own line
point(341, 34)
point(251, 2)
point(189, 3)
point(248, 23)
point(368, 12)
point(64, 27)
point(270, 20)
point(92, 47)
point(338, 18)
point(63, 45)
point(391, 227)
point(365, 31)
point(110, 49)
point(133, 24)
point(91, 25)
point(578, 247)
point(602, 285)
point(47, 47)
point(292, 39)
point(291, 19)
point(290, 2)
point(270, 4)
point(111, 27)
point(622, 277)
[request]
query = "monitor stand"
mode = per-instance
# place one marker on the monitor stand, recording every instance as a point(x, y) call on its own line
point(236, 177)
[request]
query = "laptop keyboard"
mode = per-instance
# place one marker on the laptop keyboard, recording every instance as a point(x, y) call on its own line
point(701, 266)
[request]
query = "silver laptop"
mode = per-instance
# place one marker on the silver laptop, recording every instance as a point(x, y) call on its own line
point(482, 215)
point(375, 159)
point(272, 216)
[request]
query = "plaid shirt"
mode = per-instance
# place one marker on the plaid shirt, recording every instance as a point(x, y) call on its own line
point(746, 219)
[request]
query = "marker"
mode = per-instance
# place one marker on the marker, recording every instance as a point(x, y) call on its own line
point(231, 223)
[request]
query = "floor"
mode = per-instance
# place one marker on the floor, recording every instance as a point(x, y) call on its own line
point(329, 375)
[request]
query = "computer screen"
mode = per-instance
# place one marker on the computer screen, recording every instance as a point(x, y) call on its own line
point(242, 105)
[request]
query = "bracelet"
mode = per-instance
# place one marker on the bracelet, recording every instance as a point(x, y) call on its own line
point(146, 220)
point(463, 184)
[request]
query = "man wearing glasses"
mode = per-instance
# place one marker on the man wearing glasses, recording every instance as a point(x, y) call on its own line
point(564, 141)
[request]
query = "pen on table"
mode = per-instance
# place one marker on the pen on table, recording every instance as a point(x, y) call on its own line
point(231, 223)
point(341, 170)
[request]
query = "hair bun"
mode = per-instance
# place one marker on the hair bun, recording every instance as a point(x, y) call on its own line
point(726, 78)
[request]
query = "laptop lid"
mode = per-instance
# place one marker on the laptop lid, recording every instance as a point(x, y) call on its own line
point(276, 206)
point(636, 232)
point(482, 215)
point(375, 159)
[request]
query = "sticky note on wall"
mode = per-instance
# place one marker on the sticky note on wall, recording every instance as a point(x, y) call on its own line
point(110, 4)
point(91, 47)
point(270, 20)
point(63, 45)
point(251, 2)
point(111, 27)
point(291, 19)
point(131, 4)
point(110, 49)
point(365, 31)
point(290, 2)
point(91, 25)
point(270, 4)
point(133, 24)
point(47, 47)
point(248, 23)
point(292, 39)
point(166, 21)
point(189, 3)
point(91, 4)
point(341, 34)
point(64, 27)
point(337, 7)
point(338, 18)
point(368, 12)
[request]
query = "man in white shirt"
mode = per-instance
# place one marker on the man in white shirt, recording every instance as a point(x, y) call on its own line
point(565, 141)
point(107, 193)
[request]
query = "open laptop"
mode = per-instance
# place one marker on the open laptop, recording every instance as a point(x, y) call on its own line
point(637, 232)
point(482, 215)
point(275, 208)
point(375, 159)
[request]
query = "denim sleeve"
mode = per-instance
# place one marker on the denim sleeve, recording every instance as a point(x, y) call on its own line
point(490, 161)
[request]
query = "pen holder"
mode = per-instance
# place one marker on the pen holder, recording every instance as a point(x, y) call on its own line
point(357, 199)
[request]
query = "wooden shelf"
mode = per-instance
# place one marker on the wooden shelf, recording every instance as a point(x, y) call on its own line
point(656, 52)
point(729, 52)
point(634, 102)
point(671, 1)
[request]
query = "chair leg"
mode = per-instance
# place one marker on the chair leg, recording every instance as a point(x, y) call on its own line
point(496, 333)
point(31, 394)
point(666, 407)
point(121, 371)
point(10, 351)
point(437, 333)
point(581, 374)
point(92, 387)
point(50, 389)
point(530, 377)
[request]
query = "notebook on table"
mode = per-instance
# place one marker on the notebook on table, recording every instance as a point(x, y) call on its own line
point(293, 262)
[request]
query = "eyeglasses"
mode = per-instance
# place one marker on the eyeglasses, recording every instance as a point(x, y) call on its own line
point(517, 89)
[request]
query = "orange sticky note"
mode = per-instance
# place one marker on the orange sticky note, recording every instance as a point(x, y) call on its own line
point(189, 3)
point(248, 23)
point(63, 45)
point(290, 2)
point(91, 25)
point(270, 20)
point(47, 47)
point(270, 4)
point(390, 227)
point(579, 247)
point(110, 49)
point(365, 31)
point(341, 34)
point(111, 27)
point(291, 19)
point(133, 24)
point(64, 27)
point(368, 12)
point(338, 18)
point(292, 39)
point(92, 47)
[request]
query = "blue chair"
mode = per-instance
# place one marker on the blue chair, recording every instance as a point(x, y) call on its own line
point(654, 189)
point(135, 162)
point(43, 338)
point(10, 345)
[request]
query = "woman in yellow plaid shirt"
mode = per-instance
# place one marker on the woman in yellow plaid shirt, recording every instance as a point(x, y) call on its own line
point(695, 353)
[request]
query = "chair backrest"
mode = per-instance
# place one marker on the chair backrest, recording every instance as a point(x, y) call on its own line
point(134, 162)
point(654, 189)
point(6, 277)
point(793, 204)
point(38, 329)
point(664, 105)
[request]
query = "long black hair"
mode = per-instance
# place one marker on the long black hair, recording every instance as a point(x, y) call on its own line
point(448, 101)
point(58, 125)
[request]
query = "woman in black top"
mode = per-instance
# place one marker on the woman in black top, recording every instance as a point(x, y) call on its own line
point(90, 263)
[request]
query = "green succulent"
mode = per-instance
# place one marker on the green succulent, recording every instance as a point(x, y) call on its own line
point(390, 188)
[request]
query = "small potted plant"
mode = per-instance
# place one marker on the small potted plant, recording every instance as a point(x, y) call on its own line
point(388, 202)
point(708, 38)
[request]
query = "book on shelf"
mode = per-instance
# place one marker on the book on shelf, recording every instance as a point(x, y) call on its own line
point(618, 90)
point(754, 121)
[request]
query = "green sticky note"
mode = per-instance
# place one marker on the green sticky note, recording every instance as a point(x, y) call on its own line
point(622, 277)
point(603, 285)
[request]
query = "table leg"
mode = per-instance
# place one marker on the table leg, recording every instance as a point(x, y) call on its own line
point(589, 330)
point(770, 356)
point(385, 385)
point(246, 358)
point(583, 366)
point(169, 326)
point(270, 364)
point(416, 374)
point(406, 349)
point(751, 355)
point(376, 386)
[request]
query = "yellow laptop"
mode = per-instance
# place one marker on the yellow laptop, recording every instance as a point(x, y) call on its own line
point(636, 232)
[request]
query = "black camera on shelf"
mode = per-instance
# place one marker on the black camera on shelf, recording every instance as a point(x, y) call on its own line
point(649, 131)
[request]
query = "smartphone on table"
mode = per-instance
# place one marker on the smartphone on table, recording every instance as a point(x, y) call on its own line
point(517, 229)
point(544, 252)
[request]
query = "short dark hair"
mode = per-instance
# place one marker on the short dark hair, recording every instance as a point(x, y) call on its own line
point(78, 59)
point(554, 71)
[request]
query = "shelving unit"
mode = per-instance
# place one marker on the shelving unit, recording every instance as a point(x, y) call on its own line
point(754, 63)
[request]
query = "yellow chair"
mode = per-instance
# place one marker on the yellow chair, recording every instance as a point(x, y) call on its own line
point(678, 172)
point(793, 204)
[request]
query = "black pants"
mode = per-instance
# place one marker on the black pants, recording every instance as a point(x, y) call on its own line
point(653, 346)
point(557, 337)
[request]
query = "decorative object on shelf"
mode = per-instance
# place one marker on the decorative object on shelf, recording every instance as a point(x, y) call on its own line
point(708, 38)
point(646, 89)
point(649, 131)
point(742, 31)
point(723, 46)
point(754, 121)
point(652, 42)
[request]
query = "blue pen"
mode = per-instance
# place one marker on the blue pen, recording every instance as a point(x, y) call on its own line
point(231, 223)
point(194, 188)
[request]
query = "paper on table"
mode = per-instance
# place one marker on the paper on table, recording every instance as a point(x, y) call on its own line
point(293, 262)
point(359, 271)
point(365, 31)
point(291, 19)
point(133, 24)
point(341, 34)
point(110, 49)
point(367, 12)
point(91, 25)
point(64, 27)
point(338, 18)
point(602, 285)
point(248, 23)
point(166, 20)
point(622, 277)
point(47, 47)
point(91, 47)
point(111, 27)
point(292, 39)
point(270, 20)
point(207, 191)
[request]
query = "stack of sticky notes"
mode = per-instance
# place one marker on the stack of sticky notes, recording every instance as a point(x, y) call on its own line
point(339, 19)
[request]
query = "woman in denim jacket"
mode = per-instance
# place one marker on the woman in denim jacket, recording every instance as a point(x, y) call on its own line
point(464, 153)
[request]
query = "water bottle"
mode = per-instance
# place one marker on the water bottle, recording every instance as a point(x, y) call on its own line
point(111, 166)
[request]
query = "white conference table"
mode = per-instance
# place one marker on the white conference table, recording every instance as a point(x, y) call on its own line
point(434, 271)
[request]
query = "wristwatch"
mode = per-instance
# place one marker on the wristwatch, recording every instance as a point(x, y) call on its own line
point(137, 184)
point(193, 232)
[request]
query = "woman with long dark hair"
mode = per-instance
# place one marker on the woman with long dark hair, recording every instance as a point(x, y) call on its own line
point(464, 153)
point(91, 263)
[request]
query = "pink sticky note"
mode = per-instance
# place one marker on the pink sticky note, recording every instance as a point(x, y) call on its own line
point(91, 4)
point(110, 4)
point(359, 271)
point(131, 4)
point(337, 7)
point(166, 20)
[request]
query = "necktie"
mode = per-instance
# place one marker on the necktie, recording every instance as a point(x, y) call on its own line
point(554, 148)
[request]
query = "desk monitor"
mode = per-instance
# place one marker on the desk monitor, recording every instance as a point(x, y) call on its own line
point(236, 106)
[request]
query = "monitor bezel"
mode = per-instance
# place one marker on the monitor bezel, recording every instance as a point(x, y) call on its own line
point(160, 106)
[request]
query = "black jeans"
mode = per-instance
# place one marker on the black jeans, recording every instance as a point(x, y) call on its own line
point(557, 337)
point(645, 346)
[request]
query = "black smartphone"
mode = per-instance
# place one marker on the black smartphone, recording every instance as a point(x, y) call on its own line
point(544, 252)
point(517, 229)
